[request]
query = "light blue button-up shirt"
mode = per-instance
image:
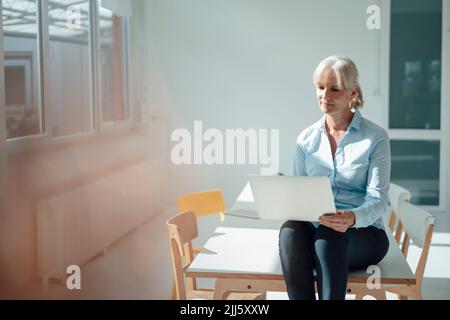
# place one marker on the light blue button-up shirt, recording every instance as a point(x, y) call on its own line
point(360, 171)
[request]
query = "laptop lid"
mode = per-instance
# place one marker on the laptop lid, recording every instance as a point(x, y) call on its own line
point(292, 197)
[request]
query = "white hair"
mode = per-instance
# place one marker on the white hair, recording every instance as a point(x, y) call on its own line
point(346, 76)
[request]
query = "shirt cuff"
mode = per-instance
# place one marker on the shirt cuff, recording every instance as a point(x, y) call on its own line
point(360, 215)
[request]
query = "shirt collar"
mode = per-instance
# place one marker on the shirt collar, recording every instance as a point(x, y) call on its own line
point(355, 123)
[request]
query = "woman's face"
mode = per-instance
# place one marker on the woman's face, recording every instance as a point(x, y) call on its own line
point(332, 99)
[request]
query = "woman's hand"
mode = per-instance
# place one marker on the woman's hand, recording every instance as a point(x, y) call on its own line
point(340, 221)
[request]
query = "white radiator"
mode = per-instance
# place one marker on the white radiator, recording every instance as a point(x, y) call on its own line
point(77, 225)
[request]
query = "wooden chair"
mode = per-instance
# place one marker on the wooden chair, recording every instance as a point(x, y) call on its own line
point(203, 203)
point(418, 227)
point(182, 231)
point(397, 195)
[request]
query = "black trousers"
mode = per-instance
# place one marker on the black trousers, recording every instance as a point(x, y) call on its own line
point(303, 248)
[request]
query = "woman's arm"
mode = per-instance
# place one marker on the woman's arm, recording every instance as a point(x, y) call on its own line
point(376, 199)
point(299, 161)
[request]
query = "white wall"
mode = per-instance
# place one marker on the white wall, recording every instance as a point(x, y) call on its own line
point(248, 64)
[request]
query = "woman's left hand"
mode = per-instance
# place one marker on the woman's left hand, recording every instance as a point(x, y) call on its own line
point(340, 221)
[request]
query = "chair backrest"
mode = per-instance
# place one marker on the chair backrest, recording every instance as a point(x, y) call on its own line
point(416, 222)
point(203, 203)
point(418, 226)
point(182, 230)
point(396, 195)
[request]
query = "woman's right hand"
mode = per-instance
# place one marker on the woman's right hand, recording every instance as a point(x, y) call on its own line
point(340, 221)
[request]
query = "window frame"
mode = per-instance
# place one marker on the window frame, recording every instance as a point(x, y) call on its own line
point(24, 60)
point(45, 137)
point(443, 134)
point(106, 126)
point(39, 65)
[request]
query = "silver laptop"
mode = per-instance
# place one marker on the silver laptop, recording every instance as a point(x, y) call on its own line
point(292, 198)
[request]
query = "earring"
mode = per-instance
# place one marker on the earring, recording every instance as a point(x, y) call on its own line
point(352, 103)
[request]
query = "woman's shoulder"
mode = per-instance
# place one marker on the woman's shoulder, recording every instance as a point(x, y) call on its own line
point(375, 129)
point(309, 132)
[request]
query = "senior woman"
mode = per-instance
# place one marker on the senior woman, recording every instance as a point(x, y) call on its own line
point(354, 154)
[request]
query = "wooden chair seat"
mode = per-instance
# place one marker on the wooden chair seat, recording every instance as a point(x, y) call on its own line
point(418, 227)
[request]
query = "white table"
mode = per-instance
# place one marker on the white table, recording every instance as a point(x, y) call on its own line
point(243, 255)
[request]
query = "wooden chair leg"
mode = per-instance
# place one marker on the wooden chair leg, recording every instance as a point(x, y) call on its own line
point(378, 294)
point(220, 290)
point(174, 291)
point(418, 295)
point(392, 220)
point(360, 296)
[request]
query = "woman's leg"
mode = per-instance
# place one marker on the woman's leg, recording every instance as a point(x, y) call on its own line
point(337, 252)
point(366, 246)
point(332, 263)
point(296, 245)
